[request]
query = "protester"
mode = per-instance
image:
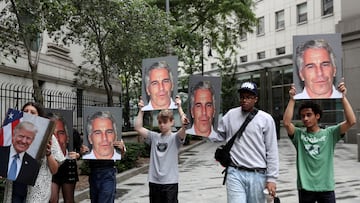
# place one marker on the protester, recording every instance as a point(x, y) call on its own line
point(163, 170)
point(316, 65)
point(159, 87)
point(255, 159)
point(315, 147)
point(41, 191)
point(102, 177)
point(67, 175)
point(49, 165)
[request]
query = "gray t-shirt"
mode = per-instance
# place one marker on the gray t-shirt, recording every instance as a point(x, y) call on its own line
point(164, 152)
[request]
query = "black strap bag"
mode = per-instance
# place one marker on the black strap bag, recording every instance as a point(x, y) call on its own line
point(222, 153)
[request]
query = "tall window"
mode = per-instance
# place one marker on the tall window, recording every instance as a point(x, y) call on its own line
point(243, 59)
point(214, 66)
point(261, 55)
point(301, 13)
point(279, 20)
point(327, 7)
point(260, 27)
point(243, 35)
point(280, 50)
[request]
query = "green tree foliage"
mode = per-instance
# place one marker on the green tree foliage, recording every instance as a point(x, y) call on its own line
point(219, 21)
point(23, 24)
point(117, 35)
point(214, 23)
point(92, 25)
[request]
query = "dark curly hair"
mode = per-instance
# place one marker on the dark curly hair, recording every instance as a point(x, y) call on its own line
point(311, 105)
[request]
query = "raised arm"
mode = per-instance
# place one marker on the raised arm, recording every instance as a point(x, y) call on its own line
point(178, 103)
point(139, 122)
point(183, 118)
point(350, 118)
point(289, 112)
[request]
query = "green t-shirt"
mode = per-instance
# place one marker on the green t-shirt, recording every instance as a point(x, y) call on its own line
point(315, 158)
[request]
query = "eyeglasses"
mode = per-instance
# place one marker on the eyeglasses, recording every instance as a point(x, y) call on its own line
point(242, 98)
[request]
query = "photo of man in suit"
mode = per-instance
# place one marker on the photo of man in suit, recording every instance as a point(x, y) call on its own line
point(15, 163)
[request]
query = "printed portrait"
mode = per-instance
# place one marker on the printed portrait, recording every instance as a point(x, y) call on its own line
point(204, 105)
point(159, 86)
point(317, 66)
point(102, 126)
point(63, 126)
point(23, 141)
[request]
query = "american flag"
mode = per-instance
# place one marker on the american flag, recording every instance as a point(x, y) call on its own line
point(13, 117)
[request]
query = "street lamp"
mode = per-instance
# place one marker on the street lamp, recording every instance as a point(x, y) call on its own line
point(167, 6)
point(167, 9)
point(207, 43)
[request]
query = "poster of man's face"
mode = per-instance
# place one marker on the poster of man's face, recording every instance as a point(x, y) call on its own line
point(63, 127)
point(23, 142)
point(204, 105)
point(102, 128)
point(317, 64)
point(159, 85)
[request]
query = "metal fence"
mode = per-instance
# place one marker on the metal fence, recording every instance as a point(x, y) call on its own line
point(15, 96)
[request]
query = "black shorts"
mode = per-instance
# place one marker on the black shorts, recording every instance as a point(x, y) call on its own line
point(67, 173)
point(161, 193)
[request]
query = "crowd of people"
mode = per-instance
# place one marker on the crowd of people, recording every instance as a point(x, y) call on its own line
point(30, 180)
point(252, 173)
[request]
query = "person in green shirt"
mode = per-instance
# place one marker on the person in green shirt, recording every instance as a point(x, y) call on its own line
point(315, 147)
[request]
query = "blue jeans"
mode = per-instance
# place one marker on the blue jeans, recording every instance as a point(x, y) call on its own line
point(102, 185)
point(245, 186)
point(319, 197)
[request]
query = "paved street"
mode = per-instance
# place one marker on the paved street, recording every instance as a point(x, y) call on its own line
point(201, 178)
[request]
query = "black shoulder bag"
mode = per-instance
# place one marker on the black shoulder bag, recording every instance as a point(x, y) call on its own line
point(222, 153)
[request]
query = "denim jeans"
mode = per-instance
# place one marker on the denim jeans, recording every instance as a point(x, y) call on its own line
point(102, 185)
point(319, 197)
point(245, 186)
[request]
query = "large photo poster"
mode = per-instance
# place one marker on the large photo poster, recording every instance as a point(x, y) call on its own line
point(318, 66)
point(102, 129)
point(159, 86)
point(204, 105)
point(64, 122)
point(23, 141)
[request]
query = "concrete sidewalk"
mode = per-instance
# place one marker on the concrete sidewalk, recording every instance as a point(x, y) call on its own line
point(201, 178)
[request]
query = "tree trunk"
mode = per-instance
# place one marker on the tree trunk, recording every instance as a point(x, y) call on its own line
point(37, 94)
